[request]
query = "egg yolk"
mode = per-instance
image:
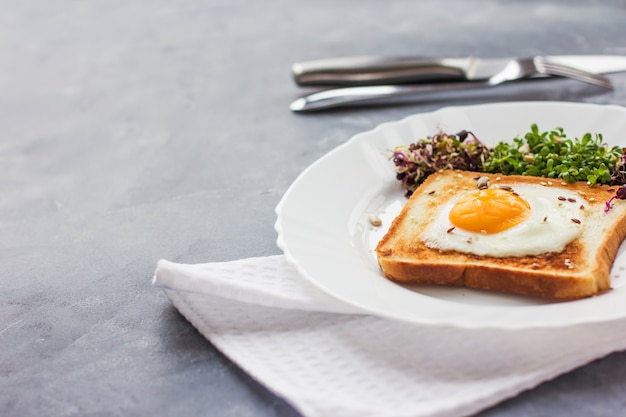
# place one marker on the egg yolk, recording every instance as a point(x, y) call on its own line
point(491, 210)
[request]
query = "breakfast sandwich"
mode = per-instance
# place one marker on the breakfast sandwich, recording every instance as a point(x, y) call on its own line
point(515, 234)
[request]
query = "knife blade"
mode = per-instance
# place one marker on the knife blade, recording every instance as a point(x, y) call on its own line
point(376, 70)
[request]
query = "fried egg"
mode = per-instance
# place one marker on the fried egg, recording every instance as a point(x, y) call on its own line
point(529, 220)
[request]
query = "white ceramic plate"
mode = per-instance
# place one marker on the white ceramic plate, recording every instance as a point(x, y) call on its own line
point(323, 225)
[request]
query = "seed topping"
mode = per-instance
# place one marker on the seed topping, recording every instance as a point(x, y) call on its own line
point(482, 183)
point(375, 220)
point(506, 187)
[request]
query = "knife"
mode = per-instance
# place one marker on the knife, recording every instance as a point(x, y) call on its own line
point(373, 69)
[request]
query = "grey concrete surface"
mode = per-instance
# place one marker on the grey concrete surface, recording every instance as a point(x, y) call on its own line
point(137, 130)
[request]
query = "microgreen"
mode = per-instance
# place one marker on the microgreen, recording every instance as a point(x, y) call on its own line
point(550, 154)
point(442, 151)
point(619, 194)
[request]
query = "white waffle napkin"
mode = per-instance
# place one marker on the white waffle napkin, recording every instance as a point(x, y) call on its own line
point(329, 359)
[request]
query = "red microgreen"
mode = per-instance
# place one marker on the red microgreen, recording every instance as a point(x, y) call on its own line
point(435, 153)
point(619, 194)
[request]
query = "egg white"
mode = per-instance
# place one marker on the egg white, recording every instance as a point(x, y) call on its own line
point(549, 228)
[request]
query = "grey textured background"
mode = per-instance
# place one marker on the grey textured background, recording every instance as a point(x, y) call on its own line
point(137, 130)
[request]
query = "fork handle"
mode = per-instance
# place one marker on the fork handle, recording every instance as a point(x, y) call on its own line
point(370, 70)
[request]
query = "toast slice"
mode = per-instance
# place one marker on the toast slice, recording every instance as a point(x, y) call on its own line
point(580, 269)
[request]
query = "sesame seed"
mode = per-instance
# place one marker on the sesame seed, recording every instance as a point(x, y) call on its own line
point(450, 229)
point(561, 198)
point(571, 200)
point(543, 183)
point(575, 220)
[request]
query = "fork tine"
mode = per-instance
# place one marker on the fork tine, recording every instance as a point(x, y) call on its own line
point(550, 68)
point(571, 71)
point(577, 74)
point(592, 79)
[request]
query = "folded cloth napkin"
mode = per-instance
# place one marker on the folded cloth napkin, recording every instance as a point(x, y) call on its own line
point(327, 358)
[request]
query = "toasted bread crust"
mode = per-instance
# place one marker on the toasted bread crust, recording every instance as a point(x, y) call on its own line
point(580, 270)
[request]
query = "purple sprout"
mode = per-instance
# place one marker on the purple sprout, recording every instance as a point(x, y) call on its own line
point(619, 194)
point(417, 161)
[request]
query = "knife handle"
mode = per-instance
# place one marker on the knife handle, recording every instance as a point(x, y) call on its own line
point(384, 94)
point(373, 70)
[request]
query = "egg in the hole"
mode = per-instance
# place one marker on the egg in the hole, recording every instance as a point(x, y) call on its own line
point(491, 210)
point(501, 221)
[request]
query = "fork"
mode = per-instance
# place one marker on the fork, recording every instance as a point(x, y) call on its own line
point(516, 69)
